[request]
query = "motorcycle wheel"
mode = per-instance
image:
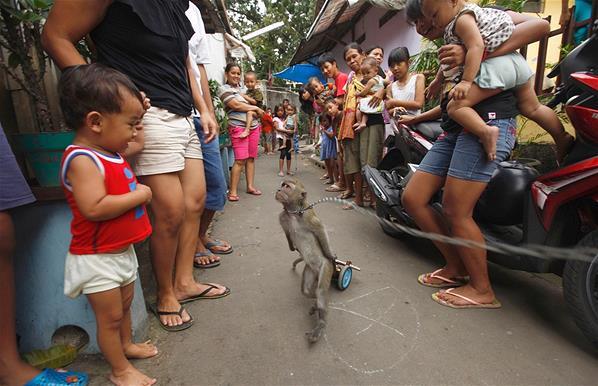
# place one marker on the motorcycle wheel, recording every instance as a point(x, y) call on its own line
point(580, 286)
point(386, 228)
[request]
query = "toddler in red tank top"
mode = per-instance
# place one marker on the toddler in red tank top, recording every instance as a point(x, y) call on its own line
point(105, 109)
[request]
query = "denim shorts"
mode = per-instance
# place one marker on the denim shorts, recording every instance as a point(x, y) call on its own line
point(461, 155)
point(212, 163)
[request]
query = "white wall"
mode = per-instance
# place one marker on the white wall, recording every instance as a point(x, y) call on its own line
point(215, 69)
point(395, 33)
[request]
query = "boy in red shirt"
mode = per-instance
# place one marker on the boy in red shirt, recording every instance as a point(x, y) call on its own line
point(330, 70)
point(267, 127)
point(105, 109)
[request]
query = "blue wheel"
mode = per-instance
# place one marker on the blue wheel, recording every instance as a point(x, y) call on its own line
point(344, 278)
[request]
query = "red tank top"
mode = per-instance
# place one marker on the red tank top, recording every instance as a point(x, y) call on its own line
point(91, 237)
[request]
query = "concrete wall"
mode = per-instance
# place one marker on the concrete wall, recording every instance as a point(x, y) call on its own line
point(215, 69)
point(275, 97)
point(395, 33)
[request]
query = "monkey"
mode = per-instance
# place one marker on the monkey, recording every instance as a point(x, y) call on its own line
point(305, 233)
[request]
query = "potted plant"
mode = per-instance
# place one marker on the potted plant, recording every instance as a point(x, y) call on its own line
point(24, 60)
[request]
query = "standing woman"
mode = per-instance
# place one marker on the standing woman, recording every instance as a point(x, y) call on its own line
point(350, 138)
point(406, 94)
point(245, 148)
point(166, 155)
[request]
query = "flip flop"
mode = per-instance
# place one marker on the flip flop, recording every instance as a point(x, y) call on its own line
point(345, 195)
point(255, 192)
point(204, 295)
point(470, 302)
point(209, 265)
point(233, 197)
point(333, 188)
point(447, 283)
point(218, 243)
point(52, 377)
point(180, 327)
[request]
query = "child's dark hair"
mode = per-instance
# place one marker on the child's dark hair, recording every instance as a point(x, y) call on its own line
point(331, 100)
point(326, 57)
point(374, 48)
point(278, 107)
point(292, 106)
point(92, 87)
point(325, 118)
point(352, 46)
point(306, 105)
point(398, 55)
point(369, 62)
point(413, 10)
point(252, 73)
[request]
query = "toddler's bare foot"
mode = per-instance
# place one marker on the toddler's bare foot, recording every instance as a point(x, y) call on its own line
point(563, 145)
point(244, 134)
point(140, 350)
point(131, 377)
point(489, 140)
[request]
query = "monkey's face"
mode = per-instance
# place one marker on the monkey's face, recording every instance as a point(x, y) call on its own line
point(291, 193)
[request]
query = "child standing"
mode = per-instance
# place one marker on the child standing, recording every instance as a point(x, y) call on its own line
point(267, 127)
point(292, 128)
point(284, 139)
point(372, 84)
point(328, 147)
point(105, 109)
point(334, 111)
point(483, 30)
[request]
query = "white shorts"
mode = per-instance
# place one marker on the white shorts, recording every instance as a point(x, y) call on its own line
point(366, 109)
point(169, 139)
point(90, 274)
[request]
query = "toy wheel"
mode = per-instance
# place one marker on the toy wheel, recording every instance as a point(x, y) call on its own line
point(344, 278)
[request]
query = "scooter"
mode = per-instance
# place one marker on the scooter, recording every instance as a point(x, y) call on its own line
point(520, 206)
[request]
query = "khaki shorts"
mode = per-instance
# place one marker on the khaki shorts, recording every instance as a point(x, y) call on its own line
point(351, 162)
point(89, 274)
point(371, 141)
point(169, 139)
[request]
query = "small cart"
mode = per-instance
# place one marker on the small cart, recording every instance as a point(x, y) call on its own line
point(343, 273)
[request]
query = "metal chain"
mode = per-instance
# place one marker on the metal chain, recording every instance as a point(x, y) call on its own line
point(586, 254)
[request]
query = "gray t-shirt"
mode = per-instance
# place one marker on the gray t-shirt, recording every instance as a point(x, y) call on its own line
point(226, 93)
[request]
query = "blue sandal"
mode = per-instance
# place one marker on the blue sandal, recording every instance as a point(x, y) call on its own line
point(51, 377)
point(218, 243)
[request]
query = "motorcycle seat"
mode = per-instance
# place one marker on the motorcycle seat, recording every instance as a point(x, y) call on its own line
point(431, 129)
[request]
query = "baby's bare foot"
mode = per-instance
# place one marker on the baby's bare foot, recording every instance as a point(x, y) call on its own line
point(489, 140)
point(131, 377)
point(140, 350)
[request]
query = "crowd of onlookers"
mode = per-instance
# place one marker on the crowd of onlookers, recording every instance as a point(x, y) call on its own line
point(146, 136)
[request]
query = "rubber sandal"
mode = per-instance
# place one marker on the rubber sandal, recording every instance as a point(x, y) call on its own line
point(233, 197)
point(52, 377)
point(333, 188)
point(180, 327)
point(345, 195)
point(218, 243)
point(213, 264)
point(470, 302)
point(204, 294)
point(255, 192)
point(447, 283)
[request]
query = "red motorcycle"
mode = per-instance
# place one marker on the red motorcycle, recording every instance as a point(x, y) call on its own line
point(519, 206)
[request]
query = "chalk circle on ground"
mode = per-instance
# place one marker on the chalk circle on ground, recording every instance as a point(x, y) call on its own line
point(373, 332)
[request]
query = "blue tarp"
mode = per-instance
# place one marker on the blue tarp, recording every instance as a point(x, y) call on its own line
point(300, 73)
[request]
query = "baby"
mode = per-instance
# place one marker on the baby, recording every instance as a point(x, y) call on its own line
point(372, 84)
point(105, 109)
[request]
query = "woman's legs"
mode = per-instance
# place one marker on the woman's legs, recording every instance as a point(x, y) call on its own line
point(530, 107)
point(194, 193)
point(416, 201)
point(235, 175)
point(13, 370)
point(459, 199)
point(168, 211)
